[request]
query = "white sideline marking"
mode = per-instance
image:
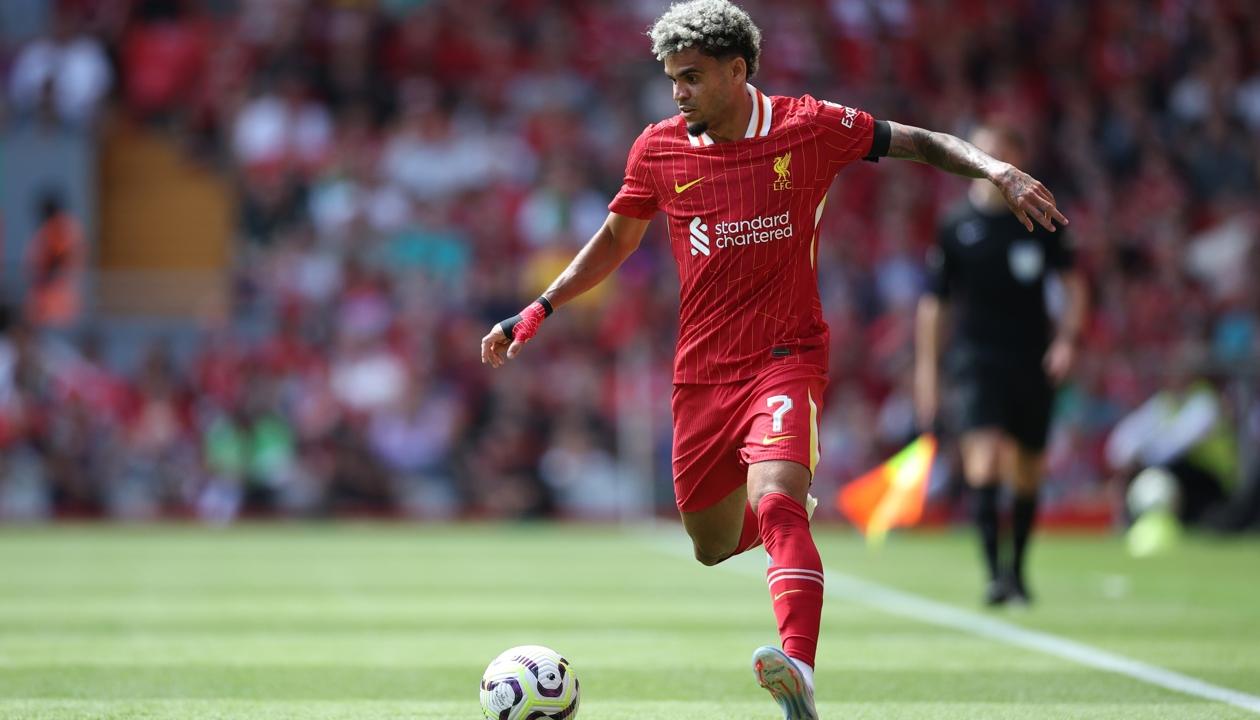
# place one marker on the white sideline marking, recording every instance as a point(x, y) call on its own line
point(921, 609)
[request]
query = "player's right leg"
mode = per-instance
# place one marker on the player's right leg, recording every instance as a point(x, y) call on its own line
point(982, 450)
point(709, 478)
point(983, 404)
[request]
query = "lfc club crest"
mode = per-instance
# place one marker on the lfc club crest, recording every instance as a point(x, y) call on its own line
point(782, 166)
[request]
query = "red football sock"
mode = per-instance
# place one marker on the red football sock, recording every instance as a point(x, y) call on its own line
point(795, 575)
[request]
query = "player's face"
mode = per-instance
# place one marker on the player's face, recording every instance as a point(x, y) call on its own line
point(704, 86)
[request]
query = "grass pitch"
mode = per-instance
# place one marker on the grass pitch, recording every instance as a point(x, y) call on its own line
point(362, 622)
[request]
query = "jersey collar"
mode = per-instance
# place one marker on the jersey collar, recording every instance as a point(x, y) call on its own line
point(758, 122)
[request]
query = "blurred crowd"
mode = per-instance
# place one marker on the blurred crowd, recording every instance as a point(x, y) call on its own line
point(410, 171)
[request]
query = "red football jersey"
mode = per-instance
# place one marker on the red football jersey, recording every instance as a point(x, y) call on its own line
point(743, 226)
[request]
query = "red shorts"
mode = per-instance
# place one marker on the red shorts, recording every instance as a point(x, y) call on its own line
point(719, 430)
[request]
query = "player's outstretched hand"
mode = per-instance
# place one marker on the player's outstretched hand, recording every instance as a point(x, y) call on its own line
point(513, 333)
point(493, 346)
point(1029, 199)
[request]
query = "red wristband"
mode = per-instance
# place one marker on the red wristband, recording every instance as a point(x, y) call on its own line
point(522, 327)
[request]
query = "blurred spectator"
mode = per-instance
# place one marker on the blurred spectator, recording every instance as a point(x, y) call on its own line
point(285, 130)
point(1182, 428)
point(66, 73)
point(156, 458)
point(56, 268)
point(251, 457)
point(415, 439)
point(163, 57)
point(25, 488)
point(561, 210)
point(367, 376)
point(433, 155)
point(584, 477)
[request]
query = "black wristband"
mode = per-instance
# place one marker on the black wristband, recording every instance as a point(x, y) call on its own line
point(507, 325)
point(546, 305)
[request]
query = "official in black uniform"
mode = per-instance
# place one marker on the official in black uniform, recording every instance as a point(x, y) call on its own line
point(988, 272)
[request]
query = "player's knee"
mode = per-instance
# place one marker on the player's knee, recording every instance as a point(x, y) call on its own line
point(755, 495)
point(791, 480)
point(982, 471)
point(708, 554)
point(709, 560)
point(982, 457)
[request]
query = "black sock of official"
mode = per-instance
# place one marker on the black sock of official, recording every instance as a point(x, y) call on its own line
point(987, 523)
point(1023, 516)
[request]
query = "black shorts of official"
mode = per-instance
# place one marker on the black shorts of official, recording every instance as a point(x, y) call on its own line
point(1016, 398)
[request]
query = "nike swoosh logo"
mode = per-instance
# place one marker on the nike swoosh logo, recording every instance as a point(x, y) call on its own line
point(679, 188)
point(785, 592)
point(767, 440)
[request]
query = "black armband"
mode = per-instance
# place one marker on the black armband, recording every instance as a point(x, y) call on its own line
point(882, 138)
point(546, 305)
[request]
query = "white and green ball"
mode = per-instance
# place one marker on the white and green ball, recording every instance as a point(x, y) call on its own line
point(530, 682)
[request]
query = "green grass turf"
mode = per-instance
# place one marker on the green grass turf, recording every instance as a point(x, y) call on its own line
point(331, 622)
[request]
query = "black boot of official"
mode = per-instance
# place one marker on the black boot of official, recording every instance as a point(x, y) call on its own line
point(997, 592)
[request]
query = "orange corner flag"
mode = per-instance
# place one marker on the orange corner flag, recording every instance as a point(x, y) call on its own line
point(892, 494)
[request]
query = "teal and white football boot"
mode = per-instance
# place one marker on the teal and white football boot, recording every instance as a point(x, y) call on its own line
point(777, 673)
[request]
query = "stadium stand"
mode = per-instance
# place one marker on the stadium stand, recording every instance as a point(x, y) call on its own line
point(299, 218)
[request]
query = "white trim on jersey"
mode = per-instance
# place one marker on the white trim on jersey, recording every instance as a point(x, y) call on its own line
point(817, 218)
point(815, 448)
point(754, 118)
point(767, 112)
point(758, 122)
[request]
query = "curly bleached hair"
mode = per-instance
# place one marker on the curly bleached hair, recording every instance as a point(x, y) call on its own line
point(714, 27)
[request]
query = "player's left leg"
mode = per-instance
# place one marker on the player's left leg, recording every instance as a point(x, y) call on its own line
point(1026, 483)
point(1027, 431)
point(781, 450)
point(723, 530)
point(778, 488)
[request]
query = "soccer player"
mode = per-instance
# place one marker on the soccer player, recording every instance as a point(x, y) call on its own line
point(988, 272)
point(742, 178)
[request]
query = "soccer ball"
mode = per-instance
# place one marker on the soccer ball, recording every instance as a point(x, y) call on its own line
point(529, 682)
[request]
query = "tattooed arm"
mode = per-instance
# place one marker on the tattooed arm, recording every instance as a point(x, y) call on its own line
point(1026, 197)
